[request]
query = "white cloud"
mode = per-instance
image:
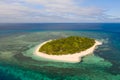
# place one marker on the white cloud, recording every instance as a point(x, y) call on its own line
point(49, 11)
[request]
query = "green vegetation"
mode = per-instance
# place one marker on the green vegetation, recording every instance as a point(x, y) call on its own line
point(69, 45)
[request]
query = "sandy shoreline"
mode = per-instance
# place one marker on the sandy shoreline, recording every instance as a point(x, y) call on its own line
point(71, 58)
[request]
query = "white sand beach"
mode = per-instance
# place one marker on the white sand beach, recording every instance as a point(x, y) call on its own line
point(71, 58)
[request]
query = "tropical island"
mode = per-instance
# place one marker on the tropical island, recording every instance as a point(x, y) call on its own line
point(70, 49)
point(69, 45)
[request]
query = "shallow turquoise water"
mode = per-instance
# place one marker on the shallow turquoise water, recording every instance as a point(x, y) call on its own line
point(18, 63)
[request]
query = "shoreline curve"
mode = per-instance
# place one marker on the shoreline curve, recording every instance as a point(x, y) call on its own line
point(71, 58)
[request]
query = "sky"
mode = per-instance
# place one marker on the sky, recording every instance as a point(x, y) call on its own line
point(59, 11)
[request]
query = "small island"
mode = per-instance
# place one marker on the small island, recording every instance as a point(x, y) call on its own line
point(70, 49)
point(69, 45)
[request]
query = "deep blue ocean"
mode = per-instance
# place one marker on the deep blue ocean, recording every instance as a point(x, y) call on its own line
point(18, 41)
point(111, 27)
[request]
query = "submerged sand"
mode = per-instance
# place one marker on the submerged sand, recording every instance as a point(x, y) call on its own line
point(71, 58)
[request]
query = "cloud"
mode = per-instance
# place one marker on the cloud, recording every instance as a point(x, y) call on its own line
point(50, 11)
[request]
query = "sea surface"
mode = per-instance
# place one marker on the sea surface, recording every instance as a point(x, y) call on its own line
point(18, 41)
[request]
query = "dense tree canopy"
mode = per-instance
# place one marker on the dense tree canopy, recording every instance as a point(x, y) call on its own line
point(69, 45)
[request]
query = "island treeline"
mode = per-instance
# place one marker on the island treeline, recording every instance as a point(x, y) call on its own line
point(69, 45)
